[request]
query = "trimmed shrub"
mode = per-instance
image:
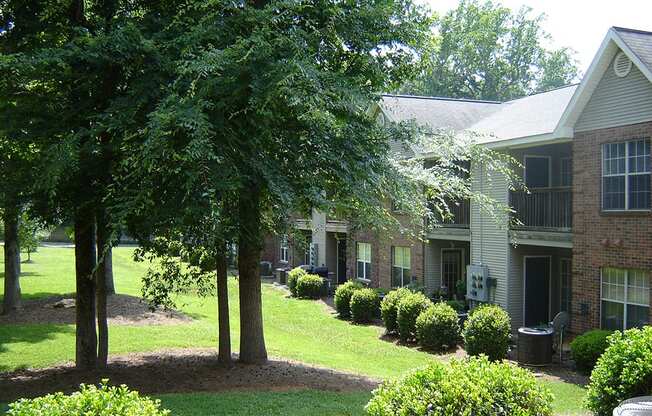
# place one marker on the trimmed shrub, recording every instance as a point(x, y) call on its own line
point(473, 386)
point(310, 286)
point(343, 295)
point(458, 305)
point(90, 400)
point(365, 305)
point(588, 347)
point(438, 327)
point(292, 277)
point(389, 308)
point(408, 310)
point(622, 372)
point(487, 332)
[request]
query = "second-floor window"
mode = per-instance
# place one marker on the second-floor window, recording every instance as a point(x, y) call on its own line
point(565, 171)
point(285, 252)
point(400, 266)
point(626, 176)
point(364, 261)
point(625, 298)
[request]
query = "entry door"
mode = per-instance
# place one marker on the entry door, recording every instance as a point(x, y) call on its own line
point(451, 268)
point(537, 291)
point(341, 261)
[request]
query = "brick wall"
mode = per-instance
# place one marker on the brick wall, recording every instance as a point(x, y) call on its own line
point(596, 233)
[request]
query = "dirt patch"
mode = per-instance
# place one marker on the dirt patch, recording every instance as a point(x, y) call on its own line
point(179, 371)
point(122, 310)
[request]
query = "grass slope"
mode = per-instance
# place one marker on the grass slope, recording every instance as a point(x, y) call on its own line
point(294, 329)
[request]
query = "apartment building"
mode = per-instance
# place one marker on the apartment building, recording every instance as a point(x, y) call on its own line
point(583, 239)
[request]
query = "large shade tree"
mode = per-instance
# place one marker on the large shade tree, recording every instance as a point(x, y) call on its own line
point(484, 50)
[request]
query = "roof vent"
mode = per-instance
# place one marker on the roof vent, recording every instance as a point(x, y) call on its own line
point(622, 65)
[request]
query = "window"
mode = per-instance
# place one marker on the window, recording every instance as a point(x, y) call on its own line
point(625, 298)
point(364, 261)
point(565, 277)
point(285, 252)
point(537, 171)
point(566, 171)
point(626, 175)
point(400, 266)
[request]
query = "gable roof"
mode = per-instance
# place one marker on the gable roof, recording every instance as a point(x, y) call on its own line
point(636, 44)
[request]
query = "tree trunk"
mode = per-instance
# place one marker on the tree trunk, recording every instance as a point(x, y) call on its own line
point(224, 350)
point(252, 340)
point(85, 261)
point(108, 271)
point(103, 243)
point(11, 300)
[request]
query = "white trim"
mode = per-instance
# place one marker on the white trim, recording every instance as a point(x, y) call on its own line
point(626, 174)
point(549, 283)
point(625, 303)
point(535, 156)
point(570, 260)
point(441, 263)
point(561, 167)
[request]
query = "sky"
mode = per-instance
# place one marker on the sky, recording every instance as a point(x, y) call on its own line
point(578, 24)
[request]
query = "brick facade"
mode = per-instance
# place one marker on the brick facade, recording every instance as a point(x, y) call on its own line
point(602, 239)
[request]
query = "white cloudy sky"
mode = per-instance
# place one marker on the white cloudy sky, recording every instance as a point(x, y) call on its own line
point(579, 24)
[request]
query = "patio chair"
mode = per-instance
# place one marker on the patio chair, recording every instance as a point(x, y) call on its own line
point(559, 325)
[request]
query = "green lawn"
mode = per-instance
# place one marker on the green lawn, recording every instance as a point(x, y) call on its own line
point(295, 329)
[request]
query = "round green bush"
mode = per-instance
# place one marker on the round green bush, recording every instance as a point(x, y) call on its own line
point(487, 331)
point(389, 308)
point(473, 386)
point(90, 400)
point(438, 327)
point(292, 277)
point(343, 295)
point(310, 286)
point(365, 305)
point(408, 310)
point(588, 347)
point(623, 371)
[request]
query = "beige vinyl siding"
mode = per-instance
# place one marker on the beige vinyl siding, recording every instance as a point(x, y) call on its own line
point(489, 237)
point(432, 259)
point(618, 101)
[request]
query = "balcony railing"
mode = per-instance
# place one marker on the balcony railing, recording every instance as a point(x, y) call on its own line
point(549, 209)
point(460, 215)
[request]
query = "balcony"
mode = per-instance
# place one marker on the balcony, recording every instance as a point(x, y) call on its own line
point(543, 209)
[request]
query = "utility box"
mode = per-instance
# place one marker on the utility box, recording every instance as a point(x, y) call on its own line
point(314, 254)
point(477, 283)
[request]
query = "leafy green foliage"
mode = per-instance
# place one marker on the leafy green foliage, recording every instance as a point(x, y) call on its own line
point(389, 308)
point(484, 50)
point(623, 371)
point(408, 310)
point(487, 331)
point(438, 327)
point(292, 278)
point(31, 231)
point(365, 305)
point(588, 347)
point(474, 386)
point(104, 400)
point(458, 305)
point(310, 286)
point(343, 295)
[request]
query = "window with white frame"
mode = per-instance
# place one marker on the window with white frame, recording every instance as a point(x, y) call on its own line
point(565, 287)
point(401, 263)
point(364, 261)
point(626, 175)
point(565, 171)
point(285, 252)
point(625, 298)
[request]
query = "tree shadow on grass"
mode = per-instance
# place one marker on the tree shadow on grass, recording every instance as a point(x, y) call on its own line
point(31, 334)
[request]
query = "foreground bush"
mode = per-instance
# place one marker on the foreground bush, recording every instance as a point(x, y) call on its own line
point(310, 286)
point(438, 327)
point(292, 278)
point(343, 295)
point(487, 332)
point(389, 308)
point(623, 371)
point(90, 400)
point(408, 310)
point(588, 347)
point(365, 305)
point(474, 386)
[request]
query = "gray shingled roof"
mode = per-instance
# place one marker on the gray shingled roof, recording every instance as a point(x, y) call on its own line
point(639, 41)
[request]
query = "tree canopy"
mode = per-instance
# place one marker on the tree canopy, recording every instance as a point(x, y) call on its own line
point(483, 50)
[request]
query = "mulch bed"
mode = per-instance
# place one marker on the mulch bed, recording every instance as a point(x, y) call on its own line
point(122, 310)
point(181, 371)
